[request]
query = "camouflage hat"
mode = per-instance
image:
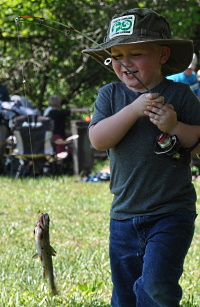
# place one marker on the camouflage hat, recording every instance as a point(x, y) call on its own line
point(141, 25)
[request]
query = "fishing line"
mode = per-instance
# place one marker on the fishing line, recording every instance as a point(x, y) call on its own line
point(25, 95)
point(39, 23)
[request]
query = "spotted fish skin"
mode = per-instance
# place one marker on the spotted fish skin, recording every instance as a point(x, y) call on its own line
point(44, 250)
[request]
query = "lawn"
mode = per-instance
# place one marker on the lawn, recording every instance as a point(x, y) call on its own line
point(79, 228)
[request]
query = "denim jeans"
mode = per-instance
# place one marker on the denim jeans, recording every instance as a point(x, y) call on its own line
point(146, 256)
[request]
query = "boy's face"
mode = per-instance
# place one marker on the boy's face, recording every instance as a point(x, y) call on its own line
point(144, 60)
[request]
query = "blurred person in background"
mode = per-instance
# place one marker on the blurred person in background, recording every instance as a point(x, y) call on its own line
point(189, 76)
point(4, 131)
point(59, 117)
point(4, 95)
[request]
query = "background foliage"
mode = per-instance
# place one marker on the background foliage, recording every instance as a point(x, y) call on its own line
point(50, 61)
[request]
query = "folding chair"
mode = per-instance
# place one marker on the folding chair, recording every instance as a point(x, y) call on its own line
point(34, 147)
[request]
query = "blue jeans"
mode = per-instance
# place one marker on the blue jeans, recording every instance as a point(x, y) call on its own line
point(146, 256)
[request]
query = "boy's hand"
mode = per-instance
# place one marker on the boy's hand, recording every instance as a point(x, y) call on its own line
point(162, 115)
point(145, 100)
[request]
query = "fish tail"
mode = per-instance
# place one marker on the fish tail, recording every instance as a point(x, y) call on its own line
point(53, 286)
point(54, 290)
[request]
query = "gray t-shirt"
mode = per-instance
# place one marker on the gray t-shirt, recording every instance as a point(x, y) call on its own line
point(143, 182)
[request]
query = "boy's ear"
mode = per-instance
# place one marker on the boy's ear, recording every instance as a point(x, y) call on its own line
point(165, 54)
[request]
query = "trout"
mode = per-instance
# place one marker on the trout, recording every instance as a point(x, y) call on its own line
point(44, 250)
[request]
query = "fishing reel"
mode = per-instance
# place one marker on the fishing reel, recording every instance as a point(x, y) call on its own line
point(169, 145)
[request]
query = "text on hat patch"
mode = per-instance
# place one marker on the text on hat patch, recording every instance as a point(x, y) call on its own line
point(122, 26)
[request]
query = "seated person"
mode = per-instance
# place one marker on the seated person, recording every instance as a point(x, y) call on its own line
point(59, 116)
point(4, 131)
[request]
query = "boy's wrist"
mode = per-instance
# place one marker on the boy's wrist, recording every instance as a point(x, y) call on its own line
point(136, 112)
point(174, 130)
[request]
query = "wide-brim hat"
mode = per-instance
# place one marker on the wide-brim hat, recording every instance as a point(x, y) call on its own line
point(141, 25)
point(194, 62)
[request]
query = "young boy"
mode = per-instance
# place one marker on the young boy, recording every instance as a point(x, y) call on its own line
point(153, 209)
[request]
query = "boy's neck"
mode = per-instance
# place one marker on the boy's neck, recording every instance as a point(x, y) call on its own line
point(144, 90)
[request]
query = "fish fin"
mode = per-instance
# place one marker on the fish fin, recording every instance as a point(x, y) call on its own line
point(53, 252)
point(35, 256)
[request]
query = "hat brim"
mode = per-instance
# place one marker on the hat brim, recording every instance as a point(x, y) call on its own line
point(180, 57)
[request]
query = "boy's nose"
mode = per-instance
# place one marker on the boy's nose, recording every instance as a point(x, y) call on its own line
point(127, 61)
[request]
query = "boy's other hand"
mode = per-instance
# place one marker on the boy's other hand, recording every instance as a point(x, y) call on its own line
point(161, 114)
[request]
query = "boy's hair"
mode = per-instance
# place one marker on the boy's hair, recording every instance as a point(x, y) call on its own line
point(142, 25)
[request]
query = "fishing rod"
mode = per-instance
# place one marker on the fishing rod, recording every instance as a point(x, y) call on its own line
point(70, 28)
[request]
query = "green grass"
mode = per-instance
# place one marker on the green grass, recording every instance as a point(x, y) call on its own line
point(79, 232)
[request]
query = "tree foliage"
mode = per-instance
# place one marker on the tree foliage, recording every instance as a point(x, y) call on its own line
point(39, 57)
